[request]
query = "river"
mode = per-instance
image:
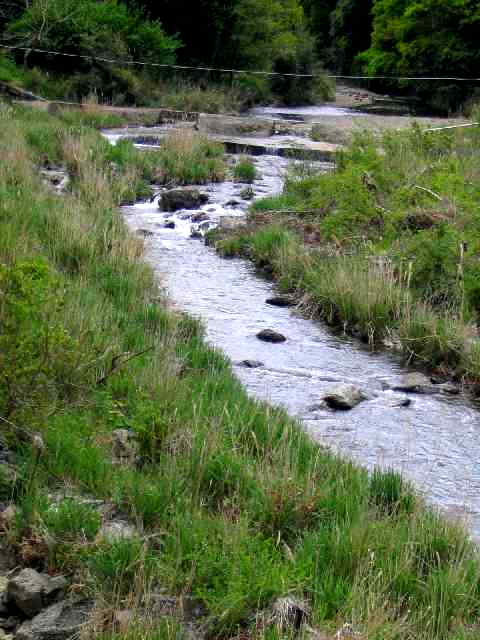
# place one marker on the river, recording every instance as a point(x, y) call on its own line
point(435, 441)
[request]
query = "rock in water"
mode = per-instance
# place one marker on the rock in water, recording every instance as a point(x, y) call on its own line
point(251, 364)
point(414, 383)
point(280, 301)
point(182, 199)
point(344, 396)
point(268, 335)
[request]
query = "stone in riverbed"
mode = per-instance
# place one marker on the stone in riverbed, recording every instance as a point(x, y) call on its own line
point(145, 233)
point(182, 199)
point(251, 364)
point(344, 397)
point(199, 217)
point(169, 224)
point(268, 335)
point(280, 301)
point(414, 383)
point(395, 399)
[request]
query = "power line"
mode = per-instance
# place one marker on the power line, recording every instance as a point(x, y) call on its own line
point(234, 71)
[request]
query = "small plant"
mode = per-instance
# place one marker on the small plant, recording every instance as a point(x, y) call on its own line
point(119, 566)
point(72, 519)
point(244, 171)
point(390, 492)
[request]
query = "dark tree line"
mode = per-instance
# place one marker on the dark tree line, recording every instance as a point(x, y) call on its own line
point(376, 37)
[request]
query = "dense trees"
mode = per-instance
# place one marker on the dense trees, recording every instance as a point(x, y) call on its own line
point(426, 37)
point(378, 37)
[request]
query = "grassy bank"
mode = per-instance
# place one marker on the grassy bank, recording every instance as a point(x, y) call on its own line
point(232, 501)
point(386, 246)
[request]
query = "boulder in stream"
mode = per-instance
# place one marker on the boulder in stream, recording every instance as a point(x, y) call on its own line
point(414, 383)
point(200, 216)
point(186, 198)
point(251, 364)
point(280, 301)
point(344, 397)
point(269, 335)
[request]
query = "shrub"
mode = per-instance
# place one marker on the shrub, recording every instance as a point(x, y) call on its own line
point(244, 171)
point(71, 519)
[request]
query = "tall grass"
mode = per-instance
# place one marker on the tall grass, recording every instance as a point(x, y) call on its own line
point(385, 245)
point(231, 500)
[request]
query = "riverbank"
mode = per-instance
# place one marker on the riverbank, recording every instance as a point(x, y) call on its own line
point(121, 417)
point(385, 246)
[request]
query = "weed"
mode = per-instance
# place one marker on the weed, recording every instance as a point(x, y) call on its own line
point(244, 171)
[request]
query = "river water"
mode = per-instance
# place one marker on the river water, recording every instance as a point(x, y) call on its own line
point(435, 441)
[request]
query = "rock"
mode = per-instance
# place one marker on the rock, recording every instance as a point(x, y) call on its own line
point(397, 399)
point(247, 194)
point(268, 335)
point(196, 234)
point(5, 636)
point(251, 364)
point(145, 233)
point(124, 446)
point(26, 591)
point(344, 397)
point(117, 530)
point(290, 612)
point(10, 623)
point(448, 388)
point(199, 217)
point(59, 622)
point(414, 383)
point(182, 199)
point(56, 587)
point(280, 301)
point(232, 203)
point(169, 224)
point(234, 125)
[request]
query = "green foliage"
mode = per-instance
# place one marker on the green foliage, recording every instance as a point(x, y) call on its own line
point(108, 29)
point(244, 171)
point(389, 491)
point(116, 567)
point(37, 352)
point(189, 158)
point(234, 503)
point(72, 519)
point(405, 32)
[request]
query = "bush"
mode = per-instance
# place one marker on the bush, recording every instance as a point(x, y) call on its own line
point(72, 519)
point(244, 171)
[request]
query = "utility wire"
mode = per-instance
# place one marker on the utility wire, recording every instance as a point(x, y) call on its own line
point(232, 71)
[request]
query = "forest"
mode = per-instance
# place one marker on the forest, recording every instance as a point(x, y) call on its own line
point(370, 37)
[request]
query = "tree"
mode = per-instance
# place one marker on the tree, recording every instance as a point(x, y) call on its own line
point(426, 37)
point(105, 29)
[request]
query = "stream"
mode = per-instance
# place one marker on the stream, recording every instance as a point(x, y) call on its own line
point(434, 442)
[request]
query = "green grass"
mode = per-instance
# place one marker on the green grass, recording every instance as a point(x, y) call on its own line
point(386, 245)
point(233, 503)
point(244, 171)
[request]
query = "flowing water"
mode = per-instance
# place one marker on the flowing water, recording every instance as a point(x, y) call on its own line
point(435, 441)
